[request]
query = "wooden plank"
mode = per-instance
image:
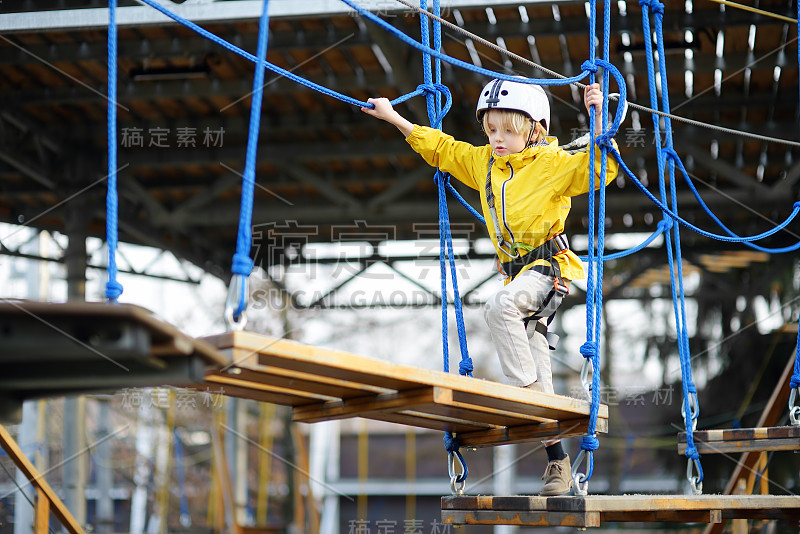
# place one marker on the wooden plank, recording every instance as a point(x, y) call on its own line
point(751, 445)
point(734, 434)
point(323, 385)
point(535, 519)
point(301, 358)
point(528, 433)
point(262, 393)
point(424, 399)
point(168, 340)
point(435, 401)
point(663, 516)
point(38, 481)
point(623, 503)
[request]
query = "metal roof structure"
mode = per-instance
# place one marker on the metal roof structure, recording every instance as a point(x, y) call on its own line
point(328, 172)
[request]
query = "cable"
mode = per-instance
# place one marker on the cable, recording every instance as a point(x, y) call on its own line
point(632, 105)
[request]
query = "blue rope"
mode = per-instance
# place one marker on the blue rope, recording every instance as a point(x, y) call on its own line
point(436, 114)
point(795, 380)
point(184, 503)
point(113, 288)
point(242, 264)
point(690, 183)
point(676, 218)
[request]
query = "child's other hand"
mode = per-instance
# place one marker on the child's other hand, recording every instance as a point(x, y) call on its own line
point(383, 108)
point(593, 96)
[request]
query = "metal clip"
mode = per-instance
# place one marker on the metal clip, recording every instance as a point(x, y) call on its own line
point(458, 478)
point(694, 408)
point(585, 382)
point(696, 481)
point(794, 411)
point(582, 480)
point(236, 303)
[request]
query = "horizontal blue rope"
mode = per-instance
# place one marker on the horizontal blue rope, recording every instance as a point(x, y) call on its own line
point(690, 226)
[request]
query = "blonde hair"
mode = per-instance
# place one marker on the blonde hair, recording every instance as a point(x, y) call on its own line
point(515, 121)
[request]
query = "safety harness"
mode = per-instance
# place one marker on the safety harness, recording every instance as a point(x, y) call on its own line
point(546, 251)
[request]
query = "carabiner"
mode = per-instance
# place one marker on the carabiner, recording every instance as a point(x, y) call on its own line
point(458, 479)
point(585, 382)
point(794, 411)
point(694, 410)
point(695, 481)
point(235, 315)
point(582, 480)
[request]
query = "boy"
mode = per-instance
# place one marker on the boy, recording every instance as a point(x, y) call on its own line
point(525, 182)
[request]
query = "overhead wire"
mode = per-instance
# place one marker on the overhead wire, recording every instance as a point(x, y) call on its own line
point(555, 74)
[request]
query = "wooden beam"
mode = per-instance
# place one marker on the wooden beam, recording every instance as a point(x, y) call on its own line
point(38, 481)
point(322, 385)
point(782, 438)
point(562, 511)
point(41, 524)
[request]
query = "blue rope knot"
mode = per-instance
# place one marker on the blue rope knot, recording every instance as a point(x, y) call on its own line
point(691, 387)
point(795, 382)
point(644, 3)
point(589, 349)
point(433, 89)
point(242, 265)
point(465, 366)
point(671, 154)
point(589, 66)
point(691, 452)
point(444, 177)
point(113, 290)
point(665, 224)
point(657, 7)
point(590, 443)
point(451, 444)
point(604, 140)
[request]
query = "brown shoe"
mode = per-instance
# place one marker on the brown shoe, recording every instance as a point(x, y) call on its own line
point(557, 478)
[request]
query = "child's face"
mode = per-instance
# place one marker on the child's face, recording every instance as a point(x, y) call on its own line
point(504, 140)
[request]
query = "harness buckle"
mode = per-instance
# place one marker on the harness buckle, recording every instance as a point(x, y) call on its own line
point(561, 242)
point(560, 286)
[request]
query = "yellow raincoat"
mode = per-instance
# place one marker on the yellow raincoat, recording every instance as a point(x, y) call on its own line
point(532, 188)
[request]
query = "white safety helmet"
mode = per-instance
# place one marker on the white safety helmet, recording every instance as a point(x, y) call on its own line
point(527, 98)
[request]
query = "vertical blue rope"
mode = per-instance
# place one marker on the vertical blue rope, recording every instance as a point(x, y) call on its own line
point(589, 350)
point(435, 116)
point(795, 382)
point(242, 263)
point(674, 259)
point(113, 288)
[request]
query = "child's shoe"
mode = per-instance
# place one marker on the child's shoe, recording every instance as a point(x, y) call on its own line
point(557, 478)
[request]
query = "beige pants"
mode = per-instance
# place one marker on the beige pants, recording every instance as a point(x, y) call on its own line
point(524, 355)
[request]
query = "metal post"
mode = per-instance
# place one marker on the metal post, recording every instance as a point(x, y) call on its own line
point(23, 511)
point(104, 512)
point(75, 407)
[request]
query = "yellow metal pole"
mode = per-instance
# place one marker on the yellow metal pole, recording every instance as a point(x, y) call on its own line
point(363, 470)
point(162, 497)
point(265, 441)
point(411, 473)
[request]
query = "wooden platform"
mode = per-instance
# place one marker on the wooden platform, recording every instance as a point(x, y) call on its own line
point(592, 510)
point(323, 384)
point(51, 349)
point(778, 438)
